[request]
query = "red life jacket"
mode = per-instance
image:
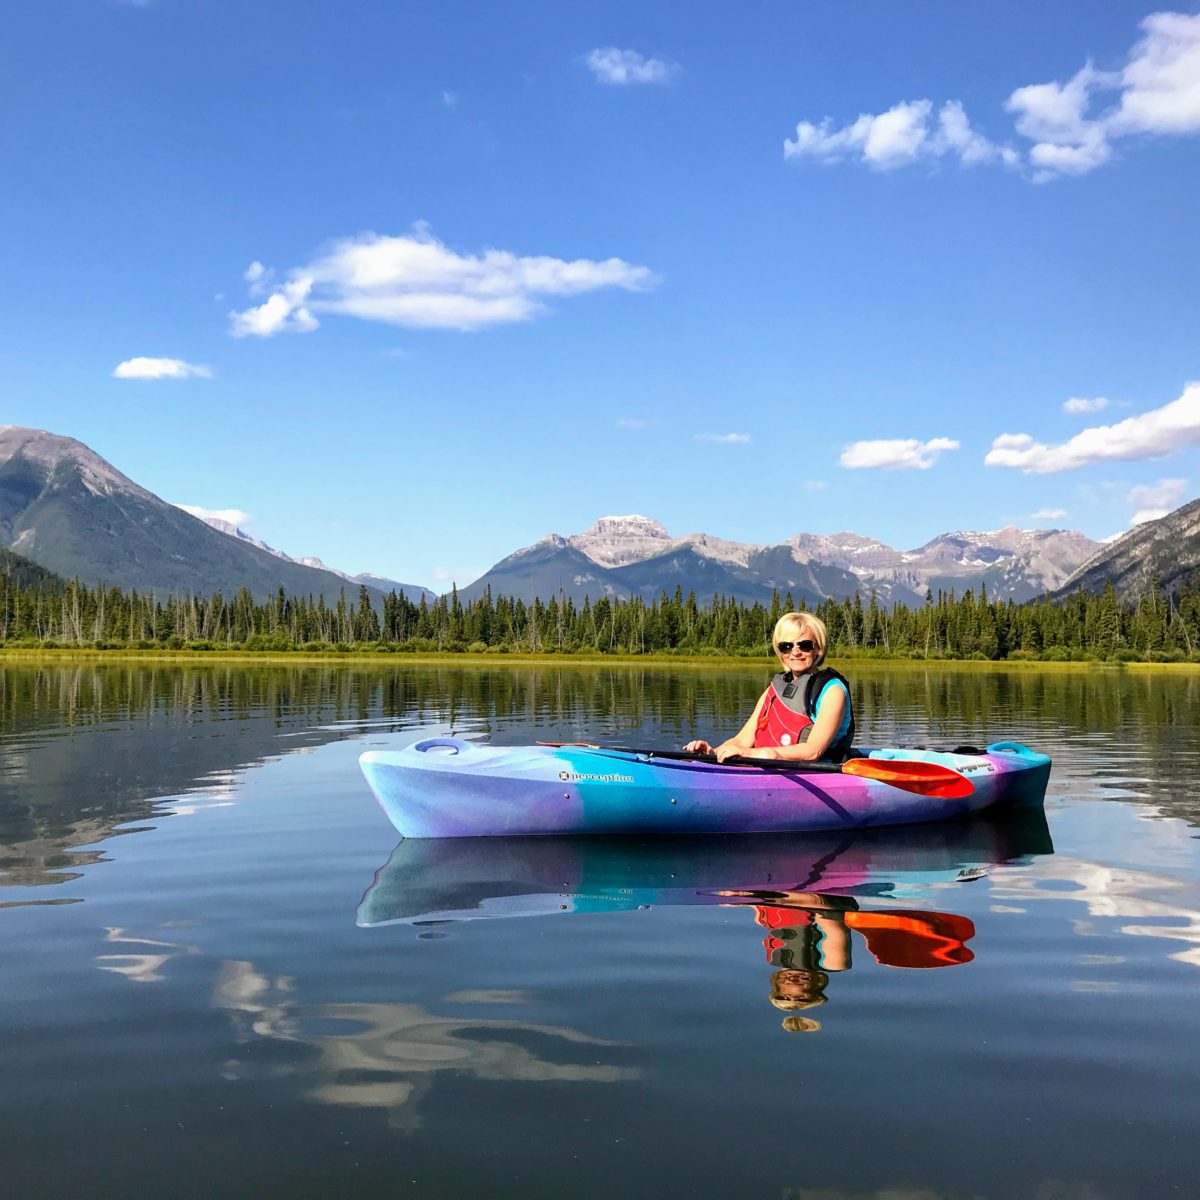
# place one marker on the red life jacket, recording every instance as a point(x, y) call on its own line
point(788, 711)
point(779, 725)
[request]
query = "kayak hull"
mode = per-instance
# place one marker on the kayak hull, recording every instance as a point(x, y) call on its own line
point(447, 788)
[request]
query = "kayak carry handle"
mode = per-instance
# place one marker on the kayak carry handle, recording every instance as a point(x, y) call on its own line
point(442, 745)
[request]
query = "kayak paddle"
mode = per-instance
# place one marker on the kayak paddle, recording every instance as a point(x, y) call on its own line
point(923, 778)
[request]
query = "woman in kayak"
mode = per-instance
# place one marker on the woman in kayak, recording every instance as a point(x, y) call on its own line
point(805, 714)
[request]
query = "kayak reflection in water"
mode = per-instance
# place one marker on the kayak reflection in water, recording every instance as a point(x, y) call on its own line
point(808, 938)
point(805, 713)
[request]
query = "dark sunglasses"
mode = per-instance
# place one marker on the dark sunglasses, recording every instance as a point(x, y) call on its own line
point(807, 646)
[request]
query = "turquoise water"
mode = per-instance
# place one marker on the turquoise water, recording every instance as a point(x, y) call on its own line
point(223, 977)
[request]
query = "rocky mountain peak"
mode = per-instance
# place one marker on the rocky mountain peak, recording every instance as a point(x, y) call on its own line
point(50, 451)
point(616, 541)
point(234, 531)
point(1167, 548)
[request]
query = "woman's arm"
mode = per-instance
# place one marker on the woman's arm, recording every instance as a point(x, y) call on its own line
point(742, 742)
point(822, 733)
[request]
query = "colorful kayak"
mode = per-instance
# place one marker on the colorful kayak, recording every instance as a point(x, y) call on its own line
point(446, 787)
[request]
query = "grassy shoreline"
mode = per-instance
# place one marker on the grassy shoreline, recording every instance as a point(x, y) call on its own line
point(369, 658)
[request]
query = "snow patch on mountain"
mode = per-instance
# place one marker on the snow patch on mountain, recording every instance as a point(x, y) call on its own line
point(1021, 561)
point(235, 531)
point(618, 541)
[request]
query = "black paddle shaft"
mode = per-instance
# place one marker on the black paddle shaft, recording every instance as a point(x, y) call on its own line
point(766, 764)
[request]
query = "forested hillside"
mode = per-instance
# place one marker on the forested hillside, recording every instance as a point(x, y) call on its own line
point(49, 612)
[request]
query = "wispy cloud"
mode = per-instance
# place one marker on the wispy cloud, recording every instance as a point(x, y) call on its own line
point(160, 368)
point(1070, 127)
point(896, 454)
point(620, 68)
point(632, 423)
point(1048, 514)
point(902, 135)
point(815, 485)
point(418, 282)
point(1077, 405)
point(234, 516)
point(1153, 434)
point(724, 439)
point(1154, 500)
point(449, 98)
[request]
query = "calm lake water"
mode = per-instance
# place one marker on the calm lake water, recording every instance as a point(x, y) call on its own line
point(199, 1001)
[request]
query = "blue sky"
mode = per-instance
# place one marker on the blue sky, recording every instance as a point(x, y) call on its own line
point(412, 284)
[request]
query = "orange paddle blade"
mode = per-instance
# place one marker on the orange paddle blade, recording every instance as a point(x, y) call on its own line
point(912, 938)
point(924, 778)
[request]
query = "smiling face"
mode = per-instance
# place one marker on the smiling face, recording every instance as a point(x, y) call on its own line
point(799, 642)
point(792, 654)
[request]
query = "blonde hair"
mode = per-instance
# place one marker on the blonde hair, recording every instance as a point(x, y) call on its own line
point(800, 1024)
point(800, 623)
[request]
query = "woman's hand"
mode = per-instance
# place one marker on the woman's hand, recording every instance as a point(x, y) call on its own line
point(699, 746)
point(734, 749)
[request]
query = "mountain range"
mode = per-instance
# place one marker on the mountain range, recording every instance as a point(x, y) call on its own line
point(69, 511)
point(634, 555)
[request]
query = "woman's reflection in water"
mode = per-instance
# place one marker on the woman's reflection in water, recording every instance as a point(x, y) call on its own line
point(808, 938)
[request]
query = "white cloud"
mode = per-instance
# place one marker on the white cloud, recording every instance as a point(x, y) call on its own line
point(1161, 81)
point(416, 281)
point(903, 134)
point(632, 423)
point(283, 312)
point(1052, 116)
point(449, 98)
point(895, 454)
point(234, 516)
point(1073, 125)
point(1048, 514)
point(1070, 126)
point(160, 368)
point(1077, 405)
point(724, 439)
point(1153, 434)
point(1155, 500)
point(815, 485)
point(622, 67)
point(1147, 514)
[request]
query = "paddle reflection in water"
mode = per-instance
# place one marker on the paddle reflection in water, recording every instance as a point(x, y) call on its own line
point(807, 891)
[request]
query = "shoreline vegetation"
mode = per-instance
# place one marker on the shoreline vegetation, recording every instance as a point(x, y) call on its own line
point(50, 617)
point(372, 658)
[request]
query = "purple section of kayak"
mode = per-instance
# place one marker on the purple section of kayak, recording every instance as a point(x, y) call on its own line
point(445, 787)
